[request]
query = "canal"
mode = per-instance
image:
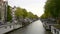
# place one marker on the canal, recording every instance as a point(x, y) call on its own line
point(34, 28)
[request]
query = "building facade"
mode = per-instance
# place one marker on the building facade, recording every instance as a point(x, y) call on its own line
point(3, 11)
point(13, 14)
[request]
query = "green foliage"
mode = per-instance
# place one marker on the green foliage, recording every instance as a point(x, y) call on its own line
point(20, 12)
point(43, 16)
point(9, 17)
point(35, 16)
point(31, 15)
point(52, 9)
point(24, 13)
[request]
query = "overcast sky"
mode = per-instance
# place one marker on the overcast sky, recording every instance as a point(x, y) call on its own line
point(35, 6)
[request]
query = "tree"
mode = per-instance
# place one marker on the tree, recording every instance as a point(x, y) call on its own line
point(9, 16)
point(52, 9)
point(35, 16)
point(19, 12)
point(30, 15)
point(43, 16)
point(24, 13)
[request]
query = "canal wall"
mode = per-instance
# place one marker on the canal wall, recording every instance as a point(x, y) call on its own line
point(10, 27)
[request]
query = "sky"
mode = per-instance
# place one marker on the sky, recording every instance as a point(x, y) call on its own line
point(34, 6)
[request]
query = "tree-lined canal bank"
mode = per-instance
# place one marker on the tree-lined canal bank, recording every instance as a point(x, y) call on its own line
point(34, 28)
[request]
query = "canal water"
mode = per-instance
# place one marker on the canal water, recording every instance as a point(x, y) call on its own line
point(34, 28)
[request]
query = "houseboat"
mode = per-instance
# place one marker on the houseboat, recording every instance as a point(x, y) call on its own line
point(55, 29)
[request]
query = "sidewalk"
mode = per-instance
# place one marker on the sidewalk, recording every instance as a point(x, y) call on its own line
point(9, 27)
